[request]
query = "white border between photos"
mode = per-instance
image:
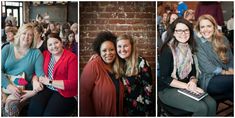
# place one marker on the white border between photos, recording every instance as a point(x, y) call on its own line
point(116, 1)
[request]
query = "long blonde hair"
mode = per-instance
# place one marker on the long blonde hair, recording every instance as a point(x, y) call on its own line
point(117, 68)
point(131, 64)
point(218, 43)
point(22, 29)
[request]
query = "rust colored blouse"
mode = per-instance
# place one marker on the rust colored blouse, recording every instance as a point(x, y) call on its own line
point(98, 92)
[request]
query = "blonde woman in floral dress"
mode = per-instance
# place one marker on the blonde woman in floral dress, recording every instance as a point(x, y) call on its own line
point(137, 79)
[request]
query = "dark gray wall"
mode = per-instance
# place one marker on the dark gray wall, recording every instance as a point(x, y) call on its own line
point(73, 12)
point(227, 8)
point(58, 12)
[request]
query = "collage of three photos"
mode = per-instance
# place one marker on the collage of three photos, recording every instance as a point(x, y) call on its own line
point(117, 58)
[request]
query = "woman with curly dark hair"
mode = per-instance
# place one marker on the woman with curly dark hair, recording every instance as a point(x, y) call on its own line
point(101, 91)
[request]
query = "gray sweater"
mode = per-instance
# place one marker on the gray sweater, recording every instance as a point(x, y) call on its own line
point(209, 62)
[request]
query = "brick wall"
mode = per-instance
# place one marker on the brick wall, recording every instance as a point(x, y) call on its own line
point(134, 18)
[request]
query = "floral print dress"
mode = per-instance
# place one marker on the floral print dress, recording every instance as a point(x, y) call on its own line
point(138, 99)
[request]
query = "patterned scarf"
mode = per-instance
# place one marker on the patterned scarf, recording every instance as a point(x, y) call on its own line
point(183, 60)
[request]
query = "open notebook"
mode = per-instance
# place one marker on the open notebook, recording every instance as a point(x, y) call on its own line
point(192, 95)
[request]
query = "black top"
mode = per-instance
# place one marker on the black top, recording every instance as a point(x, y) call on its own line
point(116, 83)
point(43, 46)
point(166, 65)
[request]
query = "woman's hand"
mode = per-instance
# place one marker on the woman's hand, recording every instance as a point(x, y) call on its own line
point(27, 94)
point(37, 86)
point(191, 86)
point(14, 90)
point(231, 71)
point(227, 72)
point(93, 57)
point(199, 90)
point(44, 80)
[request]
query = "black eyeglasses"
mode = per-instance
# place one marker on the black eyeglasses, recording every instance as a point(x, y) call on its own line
point(181, 31)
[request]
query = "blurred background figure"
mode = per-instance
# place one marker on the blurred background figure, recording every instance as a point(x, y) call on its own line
point(212, 8)
point(12, 19)
point(181, 8)
point(189, 15)
point(10, 32)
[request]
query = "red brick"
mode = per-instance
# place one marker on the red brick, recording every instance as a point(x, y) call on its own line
point(136, 21)
point(133, 18)
point(117, 21)
point(88, 16)
point(130, 15)
point(123, 28)
point(144, 15)
point(105, 15)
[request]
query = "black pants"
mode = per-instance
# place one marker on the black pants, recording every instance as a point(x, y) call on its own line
point(221, 87)
point(51, 103)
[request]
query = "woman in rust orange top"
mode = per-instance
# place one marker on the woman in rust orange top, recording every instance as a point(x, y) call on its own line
point(101, 91)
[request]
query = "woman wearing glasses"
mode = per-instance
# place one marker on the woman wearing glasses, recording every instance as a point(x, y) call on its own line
point(178, 69)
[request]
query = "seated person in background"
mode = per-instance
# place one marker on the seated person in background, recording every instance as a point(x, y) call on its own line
point(40, 42)
point(170, 19)
point(65, 28)
point(215, 59)
point(178, 69)
point(189, 15)
point(10, 32)
point(71, 44)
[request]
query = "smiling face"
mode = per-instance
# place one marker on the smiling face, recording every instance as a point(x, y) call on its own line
point(182, 32)
point(26, 38)
point(124, 48)
point(206, 29)
point(108, 52)
point(54, 46)
point(10, 36)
